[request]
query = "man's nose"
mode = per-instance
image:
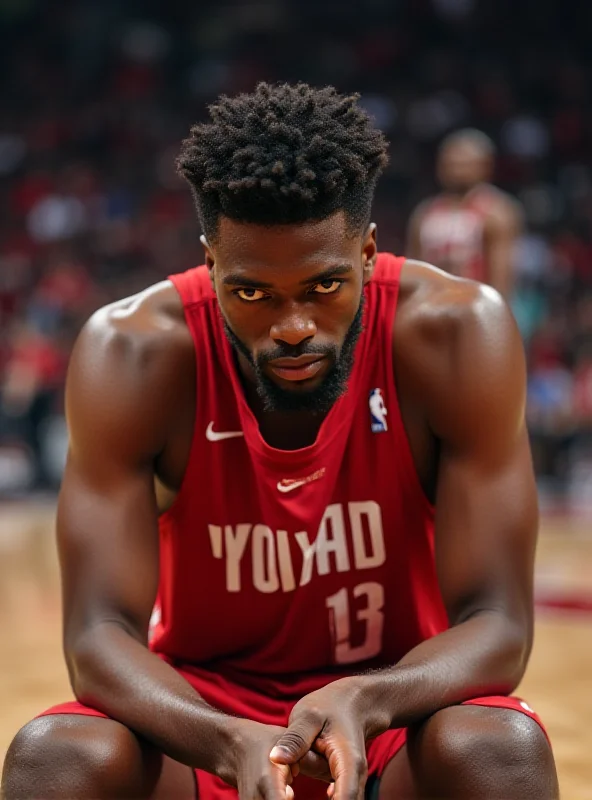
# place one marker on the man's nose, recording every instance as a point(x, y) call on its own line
point(295, 327)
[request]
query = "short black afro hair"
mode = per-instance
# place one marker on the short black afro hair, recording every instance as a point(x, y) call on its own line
point(283, 154)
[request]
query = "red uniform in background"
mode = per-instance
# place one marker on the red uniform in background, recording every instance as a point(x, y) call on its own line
point(283, 570)
point(452, 233)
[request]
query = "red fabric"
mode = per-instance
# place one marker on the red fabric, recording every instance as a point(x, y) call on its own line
point(379, 752)
point(452, 235)
point(266, 595)
point(346, 556)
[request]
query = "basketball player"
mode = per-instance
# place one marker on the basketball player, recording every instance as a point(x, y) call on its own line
point(298, 519)
point(469, 230)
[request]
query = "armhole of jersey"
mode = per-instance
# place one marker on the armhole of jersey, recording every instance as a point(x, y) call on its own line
point(388, 268)
point(193, 285)
point(413, 480)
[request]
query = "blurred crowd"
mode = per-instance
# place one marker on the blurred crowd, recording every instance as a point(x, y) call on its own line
point(96, 97)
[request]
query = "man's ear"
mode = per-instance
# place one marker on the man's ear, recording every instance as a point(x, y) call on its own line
point(209, 257)
point(369, 252)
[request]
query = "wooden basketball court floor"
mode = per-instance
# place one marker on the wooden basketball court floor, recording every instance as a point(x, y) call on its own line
point(558, 683)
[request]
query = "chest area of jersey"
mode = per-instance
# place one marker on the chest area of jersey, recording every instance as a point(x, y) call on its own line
point(445, 229)
point(277, 527)
point(349, 538)
point(254, 530)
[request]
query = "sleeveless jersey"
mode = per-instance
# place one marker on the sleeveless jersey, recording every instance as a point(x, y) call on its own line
point(452, 235)
point(282, 570)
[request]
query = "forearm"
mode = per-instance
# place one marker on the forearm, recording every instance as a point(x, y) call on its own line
point(113, 672)
point(481, 656)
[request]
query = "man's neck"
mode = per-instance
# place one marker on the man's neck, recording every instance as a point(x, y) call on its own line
point(286, 430)
point(461, 195)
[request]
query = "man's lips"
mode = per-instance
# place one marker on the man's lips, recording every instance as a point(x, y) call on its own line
point(297, 369)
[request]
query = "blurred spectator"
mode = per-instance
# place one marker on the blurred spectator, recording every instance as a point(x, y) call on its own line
point(30, 395)
point(470, 228)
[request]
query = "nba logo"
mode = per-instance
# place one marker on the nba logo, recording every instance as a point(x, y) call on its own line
point(378, 411)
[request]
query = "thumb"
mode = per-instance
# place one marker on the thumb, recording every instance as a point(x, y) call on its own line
point(294, 743)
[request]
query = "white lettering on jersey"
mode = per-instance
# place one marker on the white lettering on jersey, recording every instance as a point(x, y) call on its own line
point(370, 613)
point(285, 562)
point(216, 540)
point(265, 575)
point(308, 551)
point(337, 547)
point(371, 512)
point(235, 547)
point(332, 519)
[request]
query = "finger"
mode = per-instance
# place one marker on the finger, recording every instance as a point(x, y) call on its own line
point(330, 791)
point(295, 742)
point(345, 752)
point(272, 786)
point(286, 772)
point(289, 793)
point(350, 772)
point(315, 766)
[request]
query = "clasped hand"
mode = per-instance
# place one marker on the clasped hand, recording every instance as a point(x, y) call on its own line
point(325, 739)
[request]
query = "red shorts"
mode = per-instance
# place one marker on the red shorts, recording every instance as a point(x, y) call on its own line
point(248, 703)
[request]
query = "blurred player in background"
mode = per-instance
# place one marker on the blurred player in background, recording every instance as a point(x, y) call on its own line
point(470, 228)
point(276, 558)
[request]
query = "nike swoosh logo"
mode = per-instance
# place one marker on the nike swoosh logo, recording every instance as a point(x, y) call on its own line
point(289, 484)
point(289, 487)
point(218, 436)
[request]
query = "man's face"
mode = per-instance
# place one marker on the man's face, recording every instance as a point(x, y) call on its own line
point(291, 299)
point(462, 165)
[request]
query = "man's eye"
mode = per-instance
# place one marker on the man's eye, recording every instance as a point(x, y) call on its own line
point(250, 295)
point(327, 287)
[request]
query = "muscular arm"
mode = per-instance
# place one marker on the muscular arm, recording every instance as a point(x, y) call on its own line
point(465, 369)
point(472, 382)
point(501, 230)
point(125, 376)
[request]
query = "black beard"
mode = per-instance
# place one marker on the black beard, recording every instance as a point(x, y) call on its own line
point(318, 400)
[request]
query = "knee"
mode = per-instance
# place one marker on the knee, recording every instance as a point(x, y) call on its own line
point(467, 734)
point(68, 756)
point(495, 746)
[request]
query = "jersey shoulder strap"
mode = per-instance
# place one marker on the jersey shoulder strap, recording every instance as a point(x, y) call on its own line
point(193, 285)
point(388, 268)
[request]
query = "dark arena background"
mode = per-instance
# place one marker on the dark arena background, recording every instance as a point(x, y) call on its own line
point(95, 99)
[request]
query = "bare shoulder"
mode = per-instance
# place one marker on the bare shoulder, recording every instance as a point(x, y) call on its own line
point(456, 344)
point(438, 307)
point(503, 208)
point(143, 328)
point(132, 361)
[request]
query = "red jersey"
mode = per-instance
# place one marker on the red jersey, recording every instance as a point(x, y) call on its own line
point(281, 568)
point(452, 235)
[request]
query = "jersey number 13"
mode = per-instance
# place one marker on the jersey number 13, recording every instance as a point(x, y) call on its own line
point(368, 605)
